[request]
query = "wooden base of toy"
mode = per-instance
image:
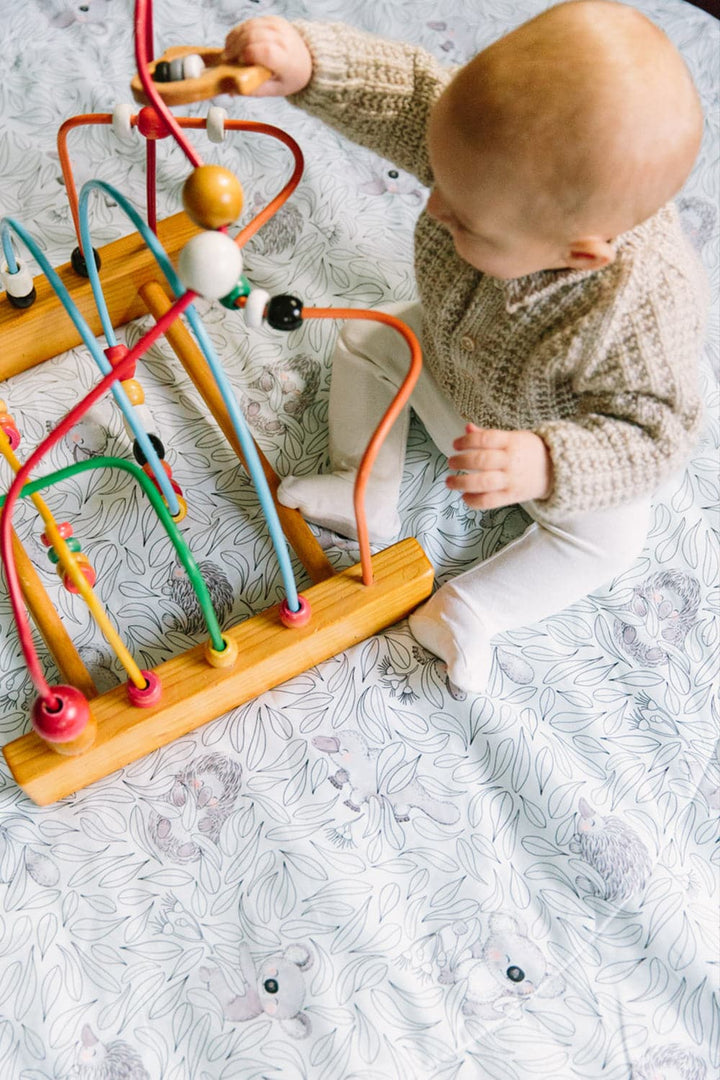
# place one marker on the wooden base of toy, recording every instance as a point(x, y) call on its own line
point(344, 612)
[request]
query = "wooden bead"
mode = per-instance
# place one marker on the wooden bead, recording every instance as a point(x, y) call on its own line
point(134, 391)
point(122, 123)
point(215, 123)
point(65, 724)
point(212, 196)
point(193, 66)
point(210, 264)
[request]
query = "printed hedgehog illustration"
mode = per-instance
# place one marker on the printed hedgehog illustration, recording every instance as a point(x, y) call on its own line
point(357, 768)
point(179, 589)
point(116, 1060)
point(209, 786)
point(282, 390)
point(672, 1062)
point(281, 231)
point(667, 602)
point(613, 850)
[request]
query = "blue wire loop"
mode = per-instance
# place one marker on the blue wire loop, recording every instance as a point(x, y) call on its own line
point(237, 419)
point(96, 352)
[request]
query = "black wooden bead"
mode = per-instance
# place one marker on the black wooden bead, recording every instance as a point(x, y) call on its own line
point(157, 446)
point(77, 261)
point(284, 312)
point(161, 72)
point(23, 301)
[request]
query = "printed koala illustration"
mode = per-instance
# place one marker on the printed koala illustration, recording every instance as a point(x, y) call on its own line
point(672, 1062)
point(663, 610)
point(179, 589)
point(90, 11)
point(502, 972)
point(357, 769)
point(276, 989)
point(614, 850)
point(386, 179)
point(116, 1060)
point(208, 788)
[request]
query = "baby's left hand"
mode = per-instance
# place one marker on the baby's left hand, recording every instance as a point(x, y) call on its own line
point(499, 468)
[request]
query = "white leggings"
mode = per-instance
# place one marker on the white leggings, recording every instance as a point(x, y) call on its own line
point(553, 563)
point(550, 566)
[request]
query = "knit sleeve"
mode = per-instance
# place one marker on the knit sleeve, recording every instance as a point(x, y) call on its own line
point(637, 407)
point(618, 447)
point(376, 92)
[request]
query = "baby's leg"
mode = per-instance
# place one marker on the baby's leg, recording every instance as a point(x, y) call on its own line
point(550, 566)
point(369, 364)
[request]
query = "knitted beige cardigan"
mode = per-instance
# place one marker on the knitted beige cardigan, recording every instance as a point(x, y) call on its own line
point(602, 365)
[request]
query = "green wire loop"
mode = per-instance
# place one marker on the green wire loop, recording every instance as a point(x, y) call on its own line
point(183, 551)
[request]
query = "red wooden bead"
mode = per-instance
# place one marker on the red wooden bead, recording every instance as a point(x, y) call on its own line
point(64, 528)
point(62, 719)
point(9, 429)
point(116, 353)
point(85, 569)
point(148, 469)
point(294, 619)
point(148, 695)
point(151, 124)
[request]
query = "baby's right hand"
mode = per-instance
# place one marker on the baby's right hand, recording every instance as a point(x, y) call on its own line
point(275, 44)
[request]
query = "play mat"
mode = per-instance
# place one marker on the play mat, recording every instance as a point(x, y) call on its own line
point(362, 874)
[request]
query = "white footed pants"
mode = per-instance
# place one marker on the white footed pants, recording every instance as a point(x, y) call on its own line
point(553, 563)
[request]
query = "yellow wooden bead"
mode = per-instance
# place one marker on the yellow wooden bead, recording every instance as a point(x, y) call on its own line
point(134, 391)
point(212, 196)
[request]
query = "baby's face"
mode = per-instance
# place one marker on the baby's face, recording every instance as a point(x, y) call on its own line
point(484, 208)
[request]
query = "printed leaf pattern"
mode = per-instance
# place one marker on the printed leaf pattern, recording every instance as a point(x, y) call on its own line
point(365, 873)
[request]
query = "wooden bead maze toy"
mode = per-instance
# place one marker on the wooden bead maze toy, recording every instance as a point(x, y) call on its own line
point(79, 735)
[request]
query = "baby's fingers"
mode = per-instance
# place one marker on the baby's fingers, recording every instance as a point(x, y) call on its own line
point(478, 483)
point(478, 460)
point(476, 438)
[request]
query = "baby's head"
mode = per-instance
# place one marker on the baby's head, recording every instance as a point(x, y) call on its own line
point(572, 129)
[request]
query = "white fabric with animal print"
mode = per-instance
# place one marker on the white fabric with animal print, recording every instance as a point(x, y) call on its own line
point(364, 874)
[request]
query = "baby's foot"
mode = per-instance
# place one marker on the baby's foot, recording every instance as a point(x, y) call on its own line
point(448, 627)
point(327, 499)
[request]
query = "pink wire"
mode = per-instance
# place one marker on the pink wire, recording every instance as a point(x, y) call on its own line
point(65, 425)
point(142, 15)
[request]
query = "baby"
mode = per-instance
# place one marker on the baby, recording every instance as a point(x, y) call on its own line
point(561, 310)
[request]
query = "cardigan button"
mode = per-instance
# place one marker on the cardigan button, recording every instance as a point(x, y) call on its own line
point(467, 343)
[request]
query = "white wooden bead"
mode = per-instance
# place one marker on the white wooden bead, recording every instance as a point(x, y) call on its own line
point(255, 306)
point(121, 123)
point(144, 416)
point(18, 284)
point(215, 123)
point(176, 69)
point(193, 66)
point(210, 264)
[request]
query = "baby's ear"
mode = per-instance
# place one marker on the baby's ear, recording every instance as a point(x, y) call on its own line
point(589, 253)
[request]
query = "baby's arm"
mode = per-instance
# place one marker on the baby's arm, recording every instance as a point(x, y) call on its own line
point(376, 92)
point(499, 468)
point(274, 43)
